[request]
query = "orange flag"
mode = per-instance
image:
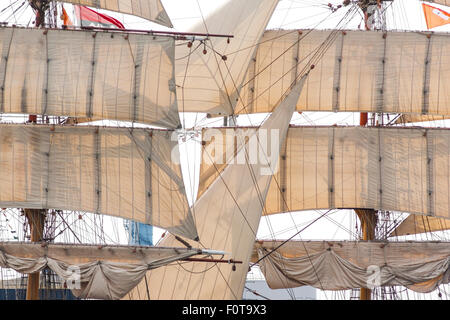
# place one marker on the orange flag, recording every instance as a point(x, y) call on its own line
point(65, 18)
point(435, 17)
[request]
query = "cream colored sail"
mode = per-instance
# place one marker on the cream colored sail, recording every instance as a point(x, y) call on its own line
point(420, 224)
point(227, 217)
point(411, 118)
point(340, 265)
point(362, 71)
point(86, 74)
point(152, 10)
point(91, 271)
point(443, 2)
point(122, 172)
point(382, 168)
point(206, 82)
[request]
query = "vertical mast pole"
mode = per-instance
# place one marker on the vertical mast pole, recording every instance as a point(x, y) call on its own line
point(368, 218)
point(36, 220)
point(36, 217)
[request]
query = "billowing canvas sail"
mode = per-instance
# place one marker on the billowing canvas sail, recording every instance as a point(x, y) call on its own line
point(100, 75)
point(207, 83)
point(152, 10)
point(420, 224)
point(227, 217)
point(362, 71)
point(92, 272)
point(382, 168)
point(122, 172)
point(420, 266)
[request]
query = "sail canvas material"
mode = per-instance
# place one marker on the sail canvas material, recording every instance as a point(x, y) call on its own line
point(420, 224)
point(206, 82)
point(420, 266)
point(227, 217)
point(361, 71)
point(86, 74)
point(122, 172)
point(92, 272)
point(435, 17)
point(382, 168)
point(151, 10)
point(410, 118)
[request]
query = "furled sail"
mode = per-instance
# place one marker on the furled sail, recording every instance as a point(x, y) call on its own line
point(420, 224)
point(420, 266)
point(152, 10)
point(91, 271)
point(122, 172)
point(382, 168)
point(227, 217)
point(361, 71)
point(211, 82)
point(86, 74)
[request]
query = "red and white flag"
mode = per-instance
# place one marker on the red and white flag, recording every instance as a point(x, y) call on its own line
point(91, 18)
point(435, 17)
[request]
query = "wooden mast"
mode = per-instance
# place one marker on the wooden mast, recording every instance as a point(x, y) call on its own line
point(36, 220)
point(36, 217)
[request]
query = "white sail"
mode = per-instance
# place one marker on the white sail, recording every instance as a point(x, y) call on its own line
point(340, 265)
point(419, 224)
point(152, 10)
point(227, 217)
point(122, 172)
point(361, 71)
point(100, 75)
point(382, 168)
point(91, 271)
point(207, 83)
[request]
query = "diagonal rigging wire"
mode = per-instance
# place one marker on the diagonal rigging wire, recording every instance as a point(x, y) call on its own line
point(318, 55)
point(252, 173)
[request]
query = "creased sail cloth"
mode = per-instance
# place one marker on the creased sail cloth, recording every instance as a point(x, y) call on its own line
point(123, 172)
point(362, 71)
point(227, 217)
point(410, 118)
point(381, 168)
point(152, 10)
point(128, 77)
point(420, 266)
point(414, 224)
point(206, 83)
point(92, 272)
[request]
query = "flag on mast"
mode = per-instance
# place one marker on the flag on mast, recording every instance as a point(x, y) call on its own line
point(91, 18)
point(435, 17)
point(65, 18)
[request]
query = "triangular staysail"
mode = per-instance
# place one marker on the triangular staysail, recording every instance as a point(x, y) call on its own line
point(227, 217)
point(211, 82)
